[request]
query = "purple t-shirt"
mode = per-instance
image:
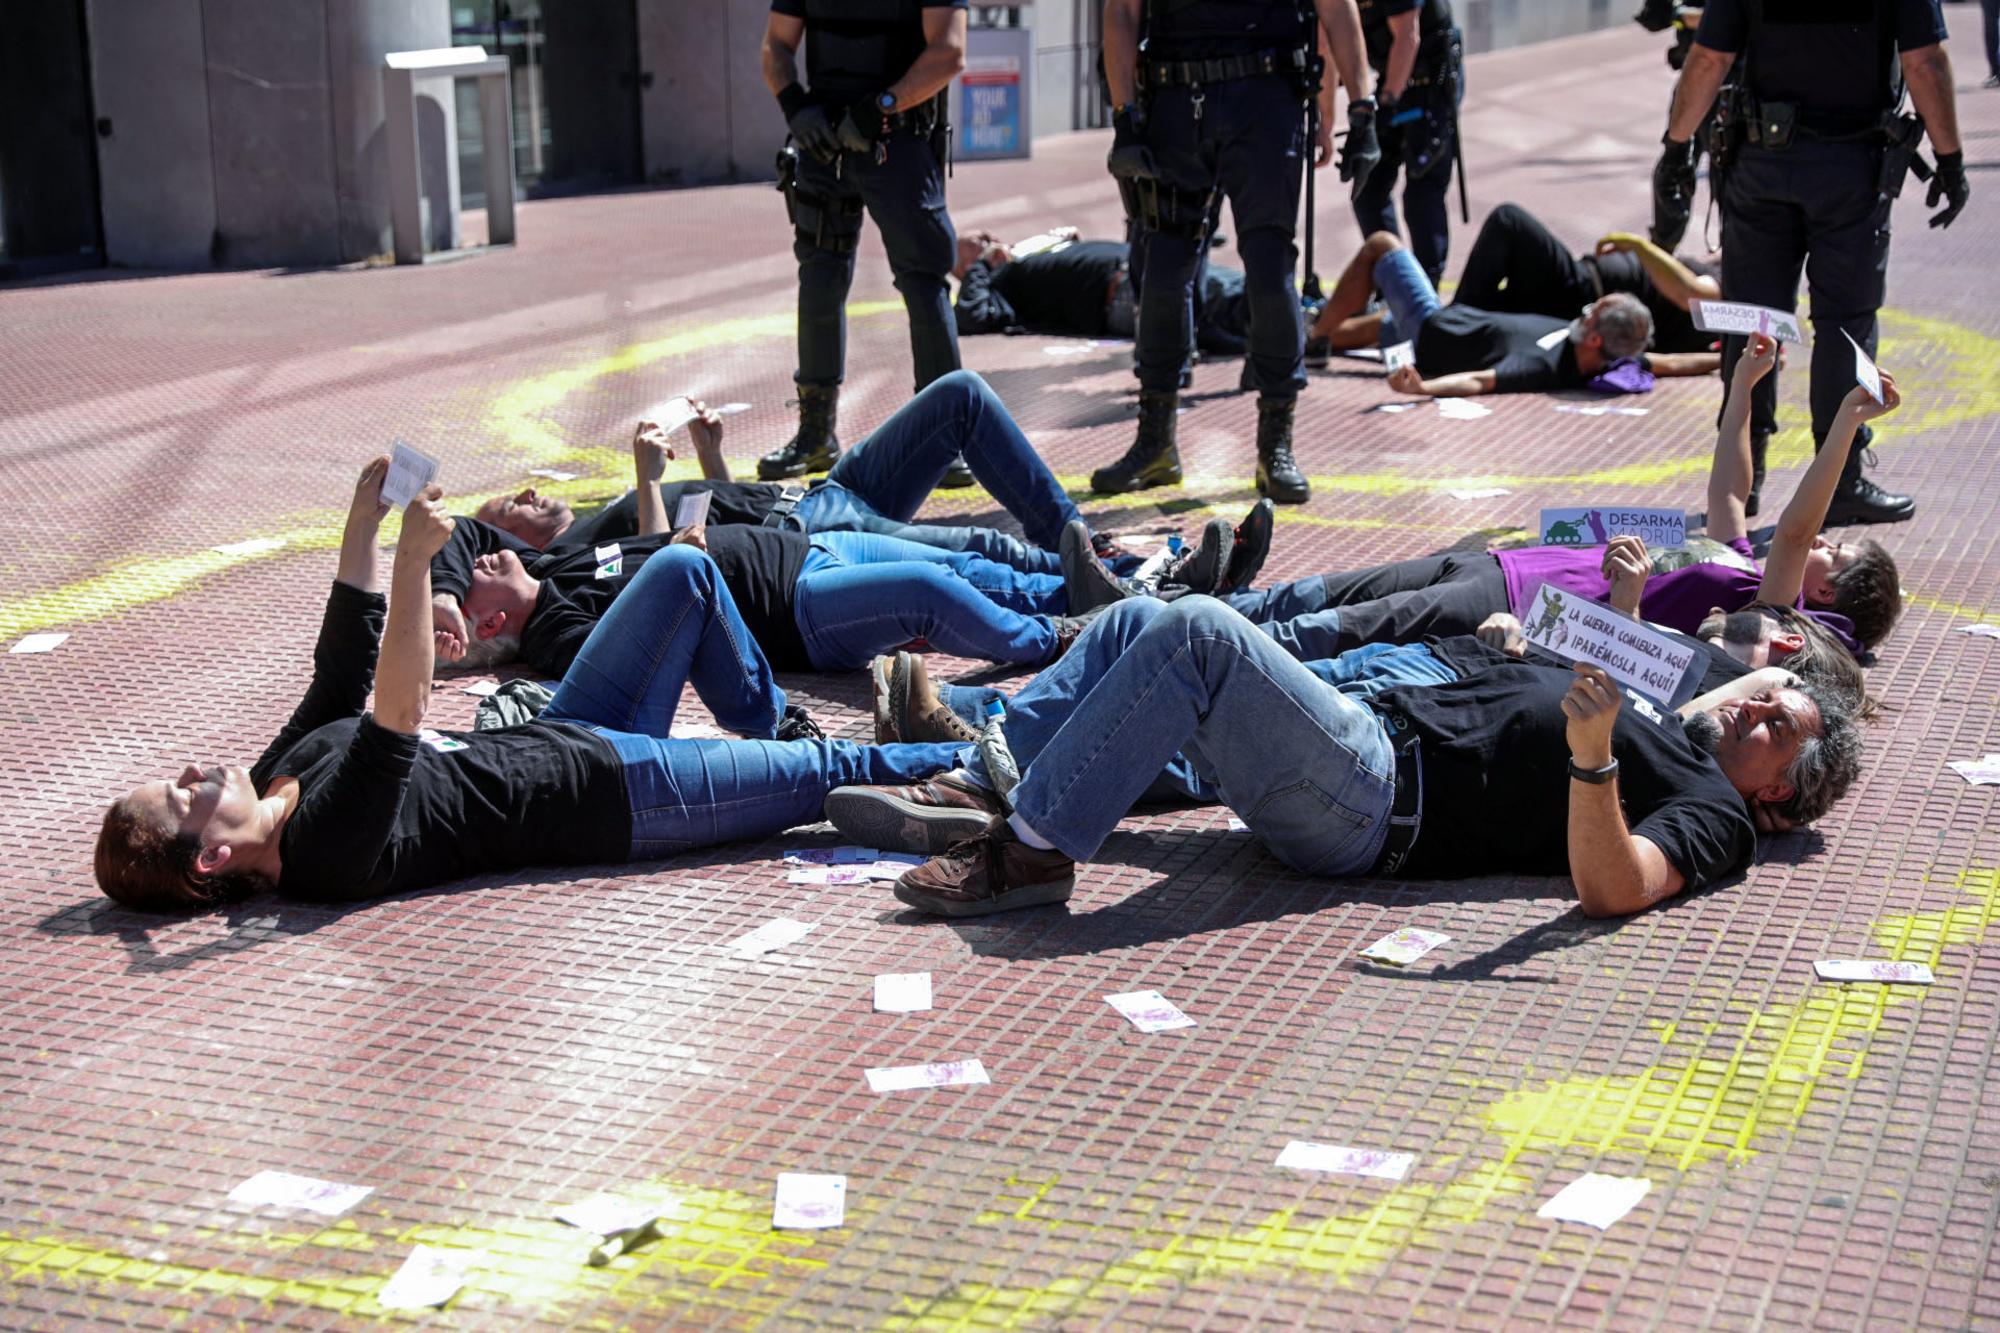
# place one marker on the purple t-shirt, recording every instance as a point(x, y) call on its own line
point(1679, 599)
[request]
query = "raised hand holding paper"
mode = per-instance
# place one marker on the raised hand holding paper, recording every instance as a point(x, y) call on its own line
point(1573, 629)
point(671, 415)
point(1741, 318)
point(1661, 528)
point(1865, 372)
point(410, 470)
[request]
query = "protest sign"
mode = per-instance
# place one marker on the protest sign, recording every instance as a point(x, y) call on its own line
point(1575, 629)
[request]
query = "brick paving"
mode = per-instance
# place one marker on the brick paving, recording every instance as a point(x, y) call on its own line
point(1820, 1156)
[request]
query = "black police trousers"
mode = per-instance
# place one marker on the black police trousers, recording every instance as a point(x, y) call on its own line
point(1423, 200)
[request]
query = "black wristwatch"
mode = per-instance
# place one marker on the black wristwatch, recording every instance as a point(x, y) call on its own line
point(1597, 777)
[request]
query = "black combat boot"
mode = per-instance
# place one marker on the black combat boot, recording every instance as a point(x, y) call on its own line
point(1760, 445)
point(1278, 474)
point(1152, 460)
point(1859, 500)
point(815, 447)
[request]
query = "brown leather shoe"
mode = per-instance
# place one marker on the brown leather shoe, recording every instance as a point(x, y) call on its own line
point(994, 872)
point(907, 707)
point(927, 817)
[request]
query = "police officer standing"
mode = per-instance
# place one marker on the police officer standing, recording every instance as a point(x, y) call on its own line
point(1812, 153)
point(1418, 60)
point(1216, 102)
point(870, 132)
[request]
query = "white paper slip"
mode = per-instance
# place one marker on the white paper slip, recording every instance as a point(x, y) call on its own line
point(281, 1189)
point(430, 1276)
point(808, 1202)
point(1236, 825)
point(1395, 407)
point(1553, 338)
point(1854, 969)
point(1983, 631)
point(1575, 629)
point(1596, 1200)
point(609, 1215)
point(1405, 946)
point(693, 509)
point(1479, 493)
point(440, 742)
point(410, 470)
point(553, 473)
point(772, 935)
point(1661, 527)
point(1865, 373)
point(1304, 1156)
point(1602, 410)
point(1979, 772)
point(671, 415)
point(902, 992)
point(1149, 1011)
point(832, 856)
point(480, 689)
point(39, 643)
point(610, 561)
point(945, 1074)
point(1462, 409)
point(730, 409)
point(255, 546)
point(1741, 318)
point(1395, 357)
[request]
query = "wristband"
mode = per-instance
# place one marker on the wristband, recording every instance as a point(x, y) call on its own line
point(1597, 777)
point(792, 99)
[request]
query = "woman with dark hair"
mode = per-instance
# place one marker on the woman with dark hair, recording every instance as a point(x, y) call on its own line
point(347, 804)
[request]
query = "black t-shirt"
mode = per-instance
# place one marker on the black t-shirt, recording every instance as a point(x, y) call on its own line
point(734, 502)
point(1431, 22)
point(1465, 654)
point(1202, 29)
point(1836, 59)
point(1495, 766)
point(860, 46)
point(380, 812)
point(1461, 337)
point(759, 566)
point(1673, 327)
point(1063, 290)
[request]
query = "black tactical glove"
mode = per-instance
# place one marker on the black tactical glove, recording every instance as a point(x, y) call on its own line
point(865, 125)
point(1673, 180)
point(806, 119)
point(1948, 184)
point(1362, 149)
point(1130, 159)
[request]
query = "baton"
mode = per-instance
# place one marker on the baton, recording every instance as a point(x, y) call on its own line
point(1310, 288)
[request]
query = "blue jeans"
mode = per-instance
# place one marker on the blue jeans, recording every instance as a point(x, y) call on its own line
point(860, 594)
point(1409, 295)
point(677, 625)
point(879, 484)
point(1309, 768)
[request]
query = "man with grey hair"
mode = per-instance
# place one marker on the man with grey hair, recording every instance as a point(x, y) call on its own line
point(1459, 350)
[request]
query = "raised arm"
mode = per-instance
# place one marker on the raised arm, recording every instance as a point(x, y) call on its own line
point(403, 675)
point(365, 512)
point(1676, 281)
point(650, 452)
point(1729, 475)
point(1805, 512)
point(1615, 872)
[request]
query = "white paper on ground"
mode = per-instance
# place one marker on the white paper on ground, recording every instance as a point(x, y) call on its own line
point(1462, 409)
point(944, 1074)
point(1149, 1011)
point(692, 509)
point(1601, 410)
point(553, 473)
point(1979, 772)
point(902, 992)
point(1405, 946)
point(480, 688)
point(282, 1189)
point(771, 935)
point(39, 643)
point(1855, 969)
point(430, 1276)
point(1596, 1200)
point(410, 470)
point(254, 546)
point(1983, 631)
point(608, 1215)
point(1304, 1156)
point(809, 1202)
point(1865, 372)
point(1479, 493)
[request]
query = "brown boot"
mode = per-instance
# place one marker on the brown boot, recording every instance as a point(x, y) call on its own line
point(927, 817)
point(994, 872)
point(907, 707)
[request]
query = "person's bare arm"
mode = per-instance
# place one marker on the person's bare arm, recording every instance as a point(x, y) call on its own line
point(1402, 54)
point(650, 452)
point(1676, 281)
point(1626, 566)
point(1615, 873)
point(403, 671)
point(1730, 473)
point(1701, 78)
point(1805, 512)
point(942, 59)
point(1466, 384)
point(1341, 22)
point(1927, 71)
point(1121, 50)
point(782, 33)
point(1743, 687)
point(706, 432)
point(1682, 365)
point(359, 560)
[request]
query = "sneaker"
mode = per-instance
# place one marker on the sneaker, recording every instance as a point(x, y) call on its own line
point(992, 872)
point(1105, 547)
point(907, 708)
point(797, 725)
point(1862, 501)
point(957, 477)
point(1200, 570)
point(1253, 543)
point(926, 817)
point(1087, 583)
point(1319, 353)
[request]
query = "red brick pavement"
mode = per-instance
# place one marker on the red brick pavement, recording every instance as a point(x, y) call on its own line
point(1820, 1156)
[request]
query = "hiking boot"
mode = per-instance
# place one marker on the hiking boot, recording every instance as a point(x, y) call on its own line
point(1860, 500)
point(1070, 628)
point(992, 872)
point(797, 725)
point(1152, 460)
point(907, 708)
point(1200, 570)
point(1087, 583)
point(1760, 445)
point(1278, 474)
point(815, 448)
point(957, 477)
point(1253, 543)
point(927, 817)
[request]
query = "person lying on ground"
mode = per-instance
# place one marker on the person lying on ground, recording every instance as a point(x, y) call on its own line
point(347, 804)
point(1509, 768)
point(1462, 350)
point(877, 486)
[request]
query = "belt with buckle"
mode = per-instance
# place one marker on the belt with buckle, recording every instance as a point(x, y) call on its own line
point(1406, 810)
point(780, 514)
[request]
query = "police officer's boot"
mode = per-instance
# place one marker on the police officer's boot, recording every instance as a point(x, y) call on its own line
point(1859, 500)
point(815, 447)
point(1760, 445)
point(1152, 460)
point(1278, 474)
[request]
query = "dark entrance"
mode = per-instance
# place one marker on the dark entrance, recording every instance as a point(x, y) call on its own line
point(48, 153)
